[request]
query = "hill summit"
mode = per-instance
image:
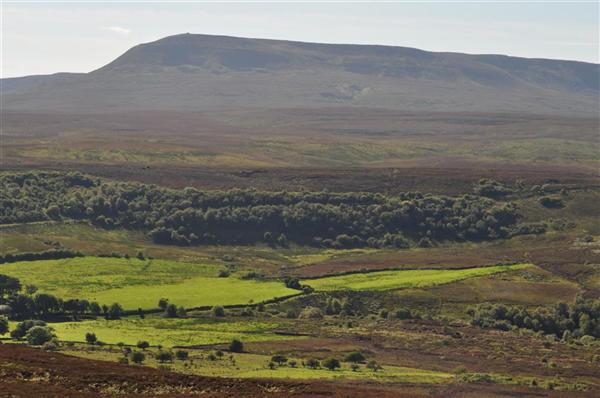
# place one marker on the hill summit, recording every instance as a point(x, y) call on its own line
point(197, 72)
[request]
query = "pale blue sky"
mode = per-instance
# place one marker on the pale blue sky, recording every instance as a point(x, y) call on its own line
point(48, 37)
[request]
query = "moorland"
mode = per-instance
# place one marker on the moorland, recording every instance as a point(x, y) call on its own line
point(329, 245)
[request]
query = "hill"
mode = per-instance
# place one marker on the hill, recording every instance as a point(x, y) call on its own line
point(202, 72)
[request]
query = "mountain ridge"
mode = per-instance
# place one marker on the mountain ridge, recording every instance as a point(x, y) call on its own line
point(196, 72)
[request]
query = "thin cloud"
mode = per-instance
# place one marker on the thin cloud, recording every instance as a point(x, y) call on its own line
point(118, 29)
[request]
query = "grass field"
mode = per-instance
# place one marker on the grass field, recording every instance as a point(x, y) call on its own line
point(93, 240)
point(256, 365)
point(168, 332)
point(141, 283)
point(388, 280)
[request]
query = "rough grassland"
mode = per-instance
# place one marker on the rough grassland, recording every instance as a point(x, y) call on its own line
point(387, 280)
point(140, 284)
point(168, 332)
point(255, 365)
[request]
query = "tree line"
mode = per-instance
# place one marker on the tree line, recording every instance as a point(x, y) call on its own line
point(23, 302)
point(563, 320)
point(45, 255)
point(246, 216)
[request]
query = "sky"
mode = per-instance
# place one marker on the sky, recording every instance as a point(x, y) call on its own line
point(49, 37)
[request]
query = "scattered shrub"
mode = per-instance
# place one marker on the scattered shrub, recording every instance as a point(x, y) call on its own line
point(374, 366)
point(551, 202)
point(138, 357)
point(39, 335)
point(403, 313)
point(164, 356)
point(279, 359)
point(355, 357)
point(332, 364)
point(223, 273)
point(236, 346)
point(218, 311)
point(52, 345)
point(143, 345)
point(91, 338)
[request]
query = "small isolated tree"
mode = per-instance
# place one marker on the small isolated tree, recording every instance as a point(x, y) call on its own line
point(138, 357)
point(551, 202)
point(143, 345)
point(313, 363)
point(181, 355)
point(279, 359)
point(374, 366)
point(38, 335)
point(355, 367)
point(91, 338)
point(164, 356)
point(332, 364)
point(403, 313)
point(163, 303)
point(219, 353)
point(293, 283)
point(355, 357)
point(272, 365)
point(171, 311)
point(236, 346)
point(293, 363)
point(224, 273)
point(218, 311)
point(3, 325)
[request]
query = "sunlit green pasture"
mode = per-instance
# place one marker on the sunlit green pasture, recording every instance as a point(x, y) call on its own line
point(168, 332)
point(255, 365)
point(387, 280)
point(137, 283)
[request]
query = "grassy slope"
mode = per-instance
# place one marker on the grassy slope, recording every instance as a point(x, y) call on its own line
point(387, 280)
point(135, 283)
point(92, 240)
point(255, 365)
point(168, 332)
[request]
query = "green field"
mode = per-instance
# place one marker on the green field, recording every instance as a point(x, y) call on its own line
point(256, 365)
point(141, 283)
point(168, 332)
point(388, 280)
